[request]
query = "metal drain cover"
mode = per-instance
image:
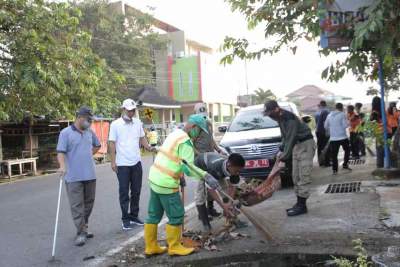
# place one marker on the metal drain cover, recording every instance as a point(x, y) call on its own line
point(356, 161)
point(343, 188)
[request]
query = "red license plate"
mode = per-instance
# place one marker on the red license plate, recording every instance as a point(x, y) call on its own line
point(257, 163)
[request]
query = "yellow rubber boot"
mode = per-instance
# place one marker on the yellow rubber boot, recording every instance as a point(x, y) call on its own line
point(175, 248)
point(150, 240)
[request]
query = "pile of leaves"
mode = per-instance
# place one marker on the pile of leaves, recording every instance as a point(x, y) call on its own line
point(199, 240)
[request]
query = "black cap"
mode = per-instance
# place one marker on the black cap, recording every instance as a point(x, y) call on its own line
point(271, 105)
point(84, 111)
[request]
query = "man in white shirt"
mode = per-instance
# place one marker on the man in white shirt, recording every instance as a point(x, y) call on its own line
point(126, 137)
point(336, 124)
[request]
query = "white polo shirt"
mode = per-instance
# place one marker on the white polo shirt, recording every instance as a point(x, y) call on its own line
point(126, 136)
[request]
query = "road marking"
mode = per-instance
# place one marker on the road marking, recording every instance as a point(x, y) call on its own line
point(131, 240)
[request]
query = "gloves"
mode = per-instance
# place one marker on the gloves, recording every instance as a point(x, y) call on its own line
point(212, 182)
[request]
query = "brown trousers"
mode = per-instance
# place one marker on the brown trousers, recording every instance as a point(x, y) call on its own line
point(81, 197)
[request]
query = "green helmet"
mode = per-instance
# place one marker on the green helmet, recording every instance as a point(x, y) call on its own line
point(199, 120)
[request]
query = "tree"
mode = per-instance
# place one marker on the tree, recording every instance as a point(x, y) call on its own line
point(46, 64)
point(286, 22)
point(262, 96)
point(125, 41)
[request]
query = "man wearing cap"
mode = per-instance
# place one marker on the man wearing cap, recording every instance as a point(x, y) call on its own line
point(205, 143)
point(297, 140)
point(125, 138)
point(175, 157)
point(76, 146)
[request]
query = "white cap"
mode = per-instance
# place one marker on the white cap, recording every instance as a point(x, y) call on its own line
point(201, 108)
point(129, 104)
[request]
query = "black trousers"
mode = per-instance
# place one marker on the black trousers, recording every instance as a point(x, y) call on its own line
point(334, 147)
point(322, 141)
point(129, 177)
point(355, 144)
point(361, 143)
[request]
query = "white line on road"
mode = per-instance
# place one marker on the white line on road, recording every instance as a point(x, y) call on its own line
point(131, 240)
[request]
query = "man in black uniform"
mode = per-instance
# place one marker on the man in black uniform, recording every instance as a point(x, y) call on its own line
point(220, 167)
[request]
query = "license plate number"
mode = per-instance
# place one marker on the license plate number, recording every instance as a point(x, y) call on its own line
point(257, 163)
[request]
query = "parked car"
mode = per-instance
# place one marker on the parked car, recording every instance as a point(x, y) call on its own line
point(257, 138)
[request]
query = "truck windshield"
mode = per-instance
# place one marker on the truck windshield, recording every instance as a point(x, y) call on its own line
point(251, 120)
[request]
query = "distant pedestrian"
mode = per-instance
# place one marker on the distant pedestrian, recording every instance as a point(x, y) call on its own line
point(337, 124)
point(322, 137)
point(76, 146)
point(126, 137)
point(393, 118)
point(298, 144)
point(376, 116)
point(355, 122)
point(361, 136)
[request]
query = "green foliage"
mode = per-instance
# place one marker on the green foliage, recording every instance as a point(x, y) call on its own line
point(372, 131)
point(362, 257)
point(125, 41)
point(55, 57)
point(262, 96)
point(46, 64)
point(286, 22)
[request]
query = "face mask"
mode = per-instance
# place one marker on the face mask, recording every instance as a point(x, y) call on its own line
point(85, 124)
point(126, 118)
point(194, 133)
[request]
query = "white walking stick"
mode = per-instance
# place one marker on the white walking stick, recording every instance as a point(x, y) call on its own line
point(58, 212)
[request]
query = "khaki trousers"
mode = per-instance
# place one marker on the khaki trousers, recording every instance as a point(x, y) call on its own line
point(303, 156)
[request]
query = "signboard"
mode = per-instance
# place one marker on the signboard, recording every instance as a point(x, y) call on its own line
point(336, 15)
point(148, 113)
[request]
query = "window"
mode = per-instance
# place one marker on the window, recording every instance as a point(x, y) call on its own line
point(191, 83)
point(251, 120)
point(180, 84)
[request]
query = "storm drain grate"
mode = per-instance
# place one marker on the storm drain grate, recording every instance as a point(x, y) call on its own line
point(343, 188)
point(356, 161)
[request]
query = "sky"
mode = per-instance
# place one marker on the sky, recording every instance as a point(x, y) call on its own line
point(209, 21)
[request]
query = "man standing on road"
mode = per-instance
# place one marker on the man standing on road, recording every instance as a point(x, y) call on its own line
point(298, 140)
point(322, 138)
point(336, 124)
point(164, 179)
point(76, 146)
point(205, 143)
point(126, 137)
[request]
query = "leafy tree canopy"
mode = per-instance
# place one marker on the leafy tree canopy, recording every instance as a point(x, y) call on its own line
point(262, 96)
point(125, 41)
point(46, 64)
point(286, 22)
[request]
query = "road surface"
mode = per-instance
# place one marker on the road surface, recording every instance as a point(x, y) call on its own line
point(27, 212)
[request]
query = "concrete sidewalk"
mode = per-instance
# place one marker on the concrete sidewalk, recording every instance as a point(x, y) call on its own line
point(333, 221)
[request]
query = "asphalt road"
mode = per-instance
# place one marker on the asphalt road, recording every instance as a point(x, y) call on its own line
point(28, 209)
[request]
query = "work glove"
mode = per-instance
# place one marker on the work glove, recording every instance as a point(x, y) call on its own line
point(212, 182)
